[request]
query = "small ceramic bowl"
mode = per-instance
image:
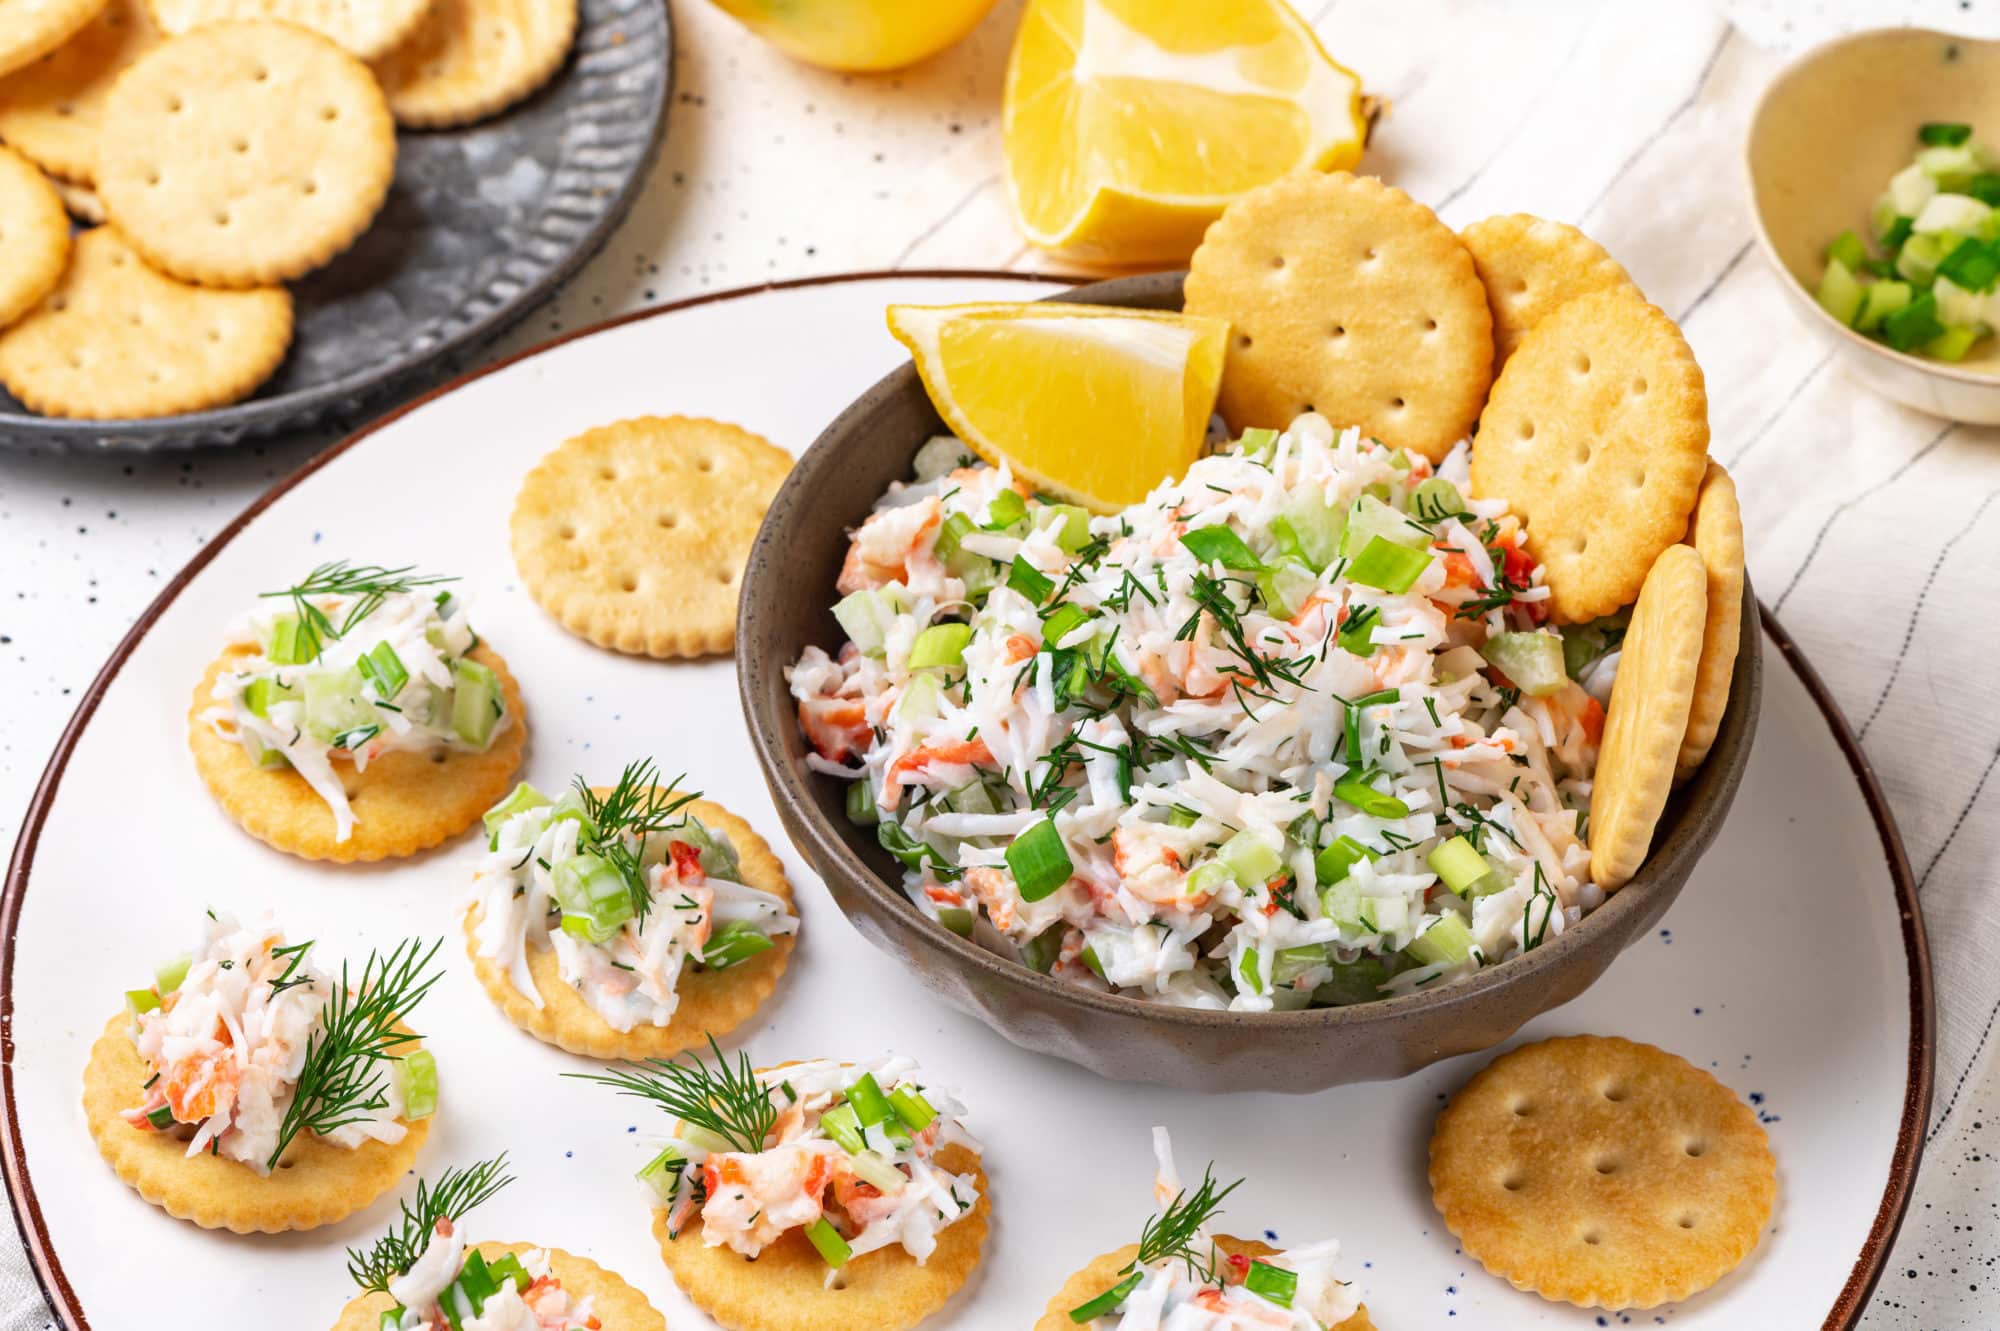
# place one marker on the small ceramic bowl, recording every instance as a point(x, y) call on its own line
point(786, 604)
point(1827, 135)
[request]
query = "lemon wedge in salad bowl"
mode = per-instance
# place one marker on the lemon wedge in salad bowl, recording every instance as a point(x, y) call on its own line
point(1130, 124)
point(1092, 404)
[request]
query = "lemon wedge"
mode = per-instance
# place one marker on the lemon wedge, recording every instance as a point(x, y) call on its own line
point(1092, 404)
point(1130, 124)
point(861, 36)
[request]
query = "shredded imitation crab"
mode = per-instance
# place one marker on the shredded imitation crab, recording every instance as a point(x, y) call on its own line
point(1291, 730)
point(525, 1294)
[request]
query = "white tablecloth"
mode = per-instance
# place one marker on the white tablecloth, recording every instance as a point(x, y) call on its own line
point(1872, 530)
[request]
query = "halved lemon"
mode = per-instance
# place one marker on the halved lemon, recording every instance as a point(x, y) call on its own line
point(1093, 404)
point(863, 36)
point(1130, 124)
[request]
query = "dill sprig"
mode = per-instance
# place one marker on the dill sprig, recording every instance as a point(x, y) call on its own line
point(726, 1100)
point(295, 956)
point(369, 584)
point(456, 1193)
point(636, 805)
point(1171, 1235)
point(342, 1079)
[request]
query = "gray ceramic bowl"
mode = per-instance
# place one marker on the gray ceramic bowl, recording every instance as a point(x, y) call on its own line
point(787, 592)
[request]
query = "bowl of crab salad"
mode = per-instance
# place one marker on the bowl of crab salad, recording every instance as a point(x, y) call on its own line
point(1278, 778)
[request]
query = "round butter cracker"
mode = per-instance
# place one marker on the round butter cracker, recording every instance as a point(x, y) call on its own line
point(633, 535)
point(785, 1288)
point(368, 28)
point(1651, 699)
point(1717, 536)
point(474, 58)
point(712, 1002)
point(1603, 1173)
point(1596, 435)
point(1531, 267)
point(1108, 1269)
point(115, 340)
point(34, 236)
point(1346, 297)
point(51, 111)
point(30, 29)
point(405, 802)
point(315, 1183)
point(616, 1305)
point(245, 153)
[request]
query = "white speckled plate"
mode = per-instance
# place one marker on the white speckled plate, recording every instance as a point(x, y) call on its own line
point(1793, 965)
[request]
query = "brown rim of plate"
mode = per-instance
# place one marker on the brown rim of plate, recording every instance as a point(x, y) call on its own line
point(47, 1267)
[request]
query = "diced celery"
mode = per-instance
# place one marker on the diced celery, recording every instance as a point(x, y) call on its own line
point(1532, 662)
point(950, 547)
point(333, 706)
point(718, 857)
point(417, 1078)
point(1284, 586)
point(1911, 188)
point(593, 896)
point(168, 976)
point(1954, 342)
point(263, 755)
point(940, 645)
point(1882, 217)
point(661, 1175)
point(940, 453)
point(1314, 527)
point(1882, 299)
point(1388, 567)
point(570, 806)
point(1252, 861)
point(140, 1000)
point(1384, 915)
point(1338, 859)
point(1072, 527)
point(1950, 212)
point(1839, 292)
point(1458, 864)
point(1341, 903)
point(1039, 953)
point(260, 693)
point(1004, 510)
point(1447, 940)
point(1257, 442)
point(864, 616)
point(1208, 878)
point(1952, 166)
point(861, 810)
point(1846, 248)
point(878, 1173)
point(475, 701)
point(1290, 963)
point(1357, 981)
point(958, 919)
point(524, 798)
point(1371, 518)
point(920, 698)
point(1919, 258)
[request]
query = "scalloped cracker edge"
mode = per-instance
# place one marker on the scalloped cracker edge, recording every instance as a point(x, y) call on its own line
point(1717, 536)
point(1106, 1270)
point(1532, 266)
point(470, 59)
point(616, 1305)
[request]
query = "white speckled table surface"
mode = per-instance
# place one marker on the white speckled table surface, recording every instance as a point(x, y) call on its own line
point(1871, 530)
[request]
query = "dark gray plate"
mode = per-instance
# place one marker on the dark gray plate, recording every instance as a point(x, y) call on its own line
point(481, 225)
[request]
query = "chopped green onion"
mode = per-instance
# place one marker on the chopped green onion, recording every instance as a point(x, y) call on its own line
point(958, 919)
point(509, 1269)
point(1459, 865)
point(1883, 299)
point(1064, 620)
point(940, 645)
point(1272, 1282)
point(950, 540)
point(1038, 954)
point(843, 1126)
point(1357, 634)
point(1973, 265)
point(140, 1000)
point(1953, 342)
point(1435, 498)
point(1220, 545)
point(870, 1105)
point(1840, 293)
point(260, 693)
point(1289, 963)
point(417, 1077)
point(1074, 532)
point(1532, 662)
point(523, 798)
point(1039, 861)
point(1358, 981)
point(1447, 940)
point(1985, 187)
point(1030, 581)
point(912, 1108)
point(1257, 441)
point(878, 1173)
point(1846, 248)
point(1247, 968)
point(1914, 324)
point(286, 645)
point(384, 669)
point(1388, 566)
point(1108, 1302)
point(833, 1249)
point(1357, 792)
point(161, 1117)
point(1089, 958)
point(1182, 816)
point(734, 943)
point(392, 1319)
point(661, 1174)
point(1944, 134)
